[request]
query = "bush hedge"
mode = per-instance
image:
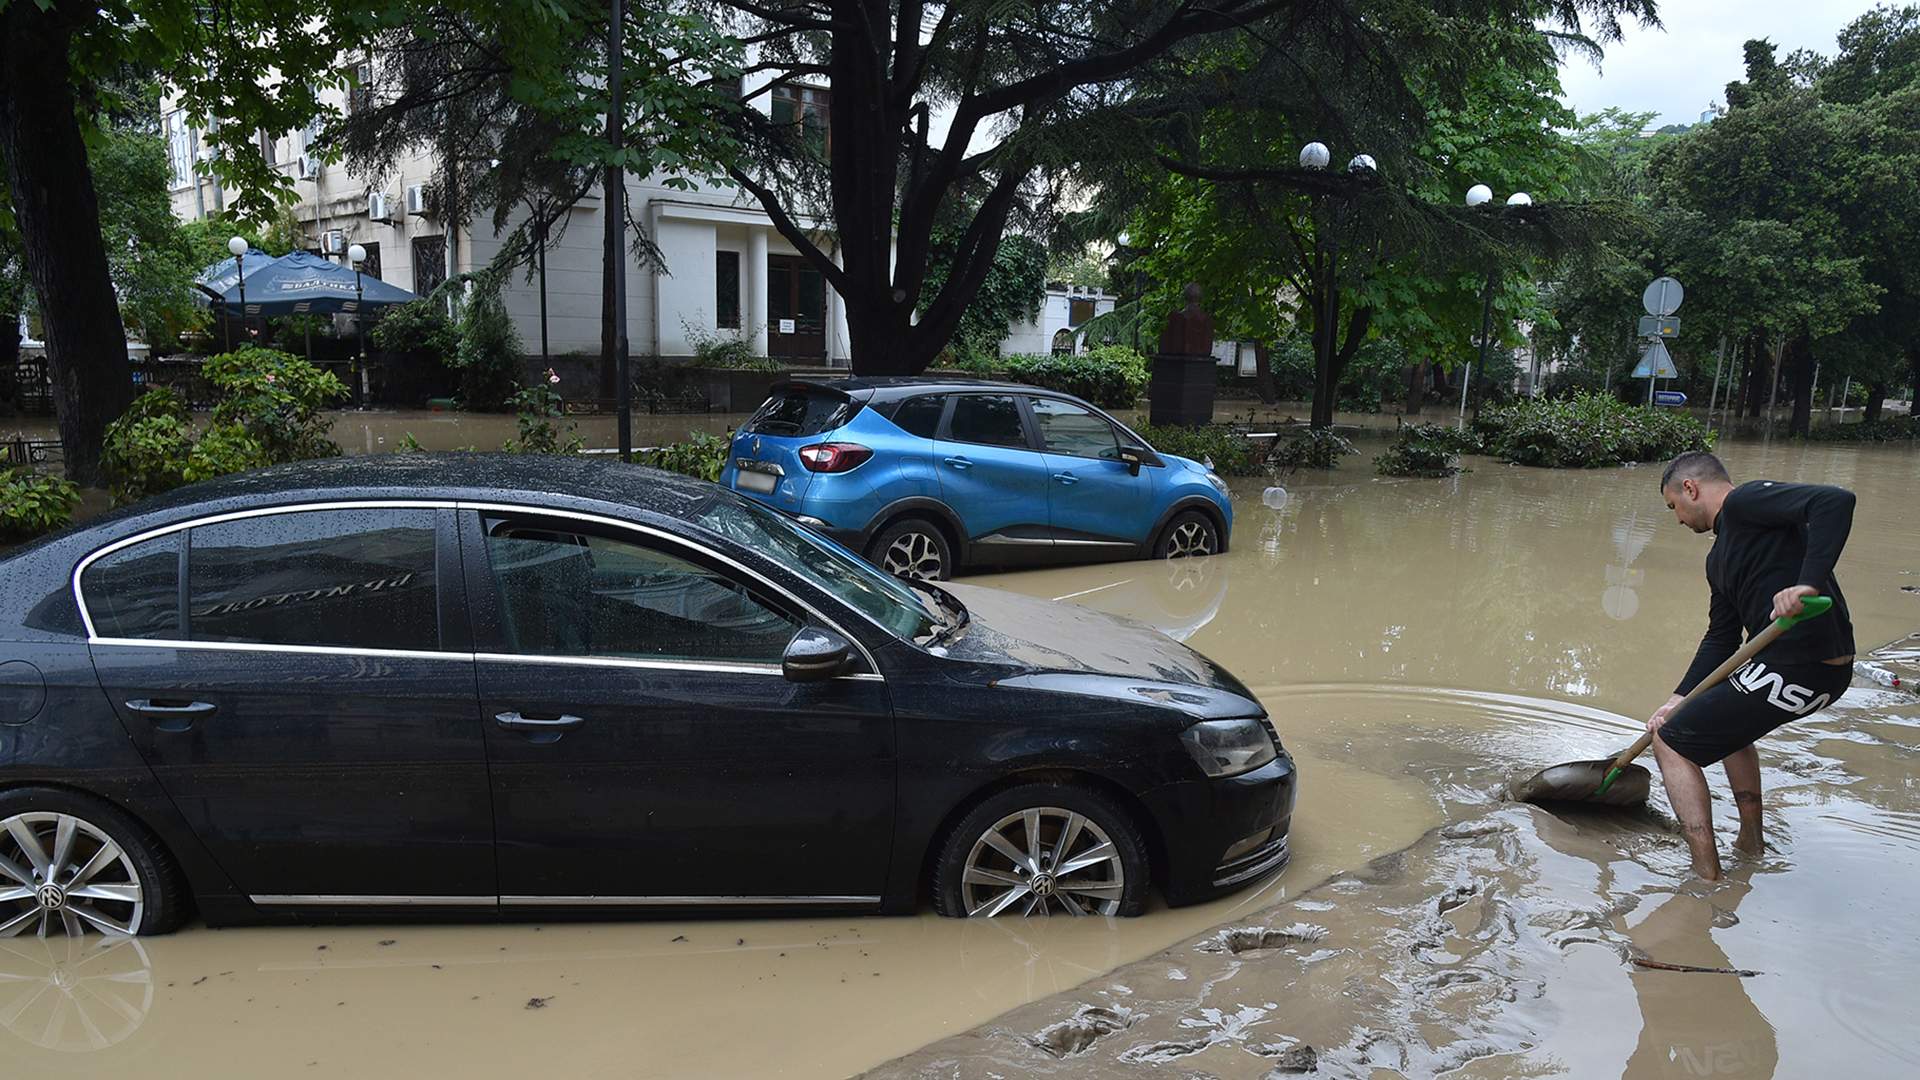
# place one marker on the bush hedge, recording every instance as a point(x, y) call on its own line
point(1885, 429)
point(1309, 448)
point(1110, 376)
point(32, 503)
point(1429, 450)
point(1587, 431)
point(1232, 453)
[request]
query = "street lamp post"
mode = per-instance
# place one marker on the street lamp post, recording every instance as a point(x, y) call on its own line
point(238, 247)
point(1314, 157)
point(357, 255)
point(1481, 195)
point(1139, 302)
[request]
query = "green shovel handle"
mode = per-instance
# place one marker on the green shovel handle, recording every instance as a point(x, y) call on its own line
point(1811, 607)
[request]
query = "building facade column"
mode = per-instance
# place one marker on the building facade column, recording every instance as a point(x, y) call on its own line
point(756, 314)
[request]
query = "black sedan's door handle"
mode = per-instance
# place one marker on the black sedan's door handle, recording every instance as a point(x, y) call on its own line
point(539, 729)
point(172, 716)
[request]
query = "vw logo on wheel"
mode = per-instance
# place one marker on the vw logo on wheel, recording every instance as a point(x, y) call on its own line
point(52, 897)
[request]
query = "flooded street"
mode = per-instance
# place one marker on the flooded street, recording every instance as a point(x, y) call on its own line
point(1418, 642)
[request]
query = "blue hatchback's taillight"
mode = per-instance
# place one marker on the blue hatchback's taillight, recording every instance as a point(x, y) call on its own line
point(834, 457)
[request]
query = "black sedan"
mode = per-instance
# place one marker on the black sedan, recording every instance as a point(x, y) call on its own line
point(451, 685)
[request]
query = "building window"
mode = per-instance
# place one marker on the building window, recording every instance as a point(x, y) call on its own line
point(726, 290)
point(370, 266)
point(179, 148)
point(360, 93)
point(269, 149)
point(1079, 311)
point(429, 263)
point(808, 109)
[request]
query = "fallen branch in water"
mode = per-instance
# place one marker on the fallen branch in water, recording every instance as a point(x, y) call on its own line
point(1658, 965)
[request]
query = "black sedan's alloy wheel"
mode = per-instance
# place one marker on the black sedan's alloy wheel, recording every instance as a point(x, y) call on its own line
point(71, 865)
point(1042, 849)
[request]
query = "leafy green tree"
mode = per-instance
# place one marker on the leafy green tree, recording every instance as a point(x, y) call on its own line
point(1012, 290)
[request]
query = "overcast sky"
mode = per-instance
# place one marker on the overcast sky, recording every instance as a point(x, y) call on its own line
point(1676, 71)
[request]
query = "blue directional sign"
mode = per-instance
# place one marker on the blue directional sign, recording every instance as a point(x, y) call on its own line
point(1669, 397)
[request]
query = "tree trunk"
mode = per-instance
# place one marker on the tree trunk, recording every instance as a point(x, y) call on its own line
point(1798, 357)
point(1756, 374)
point(1416, 399)
point(59, 223)
point(1263, 373)
point(1876, 397)
point(1913, 362)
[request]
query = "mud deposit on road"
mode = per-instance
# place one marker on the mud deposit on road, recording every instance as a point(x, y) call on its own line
point(1419, 643)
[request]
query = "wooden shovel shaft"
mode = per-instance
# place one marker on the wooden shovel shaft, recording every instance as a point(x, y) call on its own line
point(1746, 652)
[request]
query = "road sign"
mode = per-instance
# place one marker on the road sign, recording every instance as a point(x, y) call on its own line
point(1662, 297)
point(1669, 397)
point(1656, 363)
point(1660, 326)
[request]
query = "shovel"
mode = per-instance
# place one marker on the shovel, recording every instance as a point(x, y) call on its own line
point(1617, 781)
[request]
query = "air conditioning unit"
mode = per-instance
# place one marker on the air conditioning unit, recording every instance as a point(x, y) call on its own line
point(417, 201)
point(309, 166)
point(333, 242)
point(377, 207)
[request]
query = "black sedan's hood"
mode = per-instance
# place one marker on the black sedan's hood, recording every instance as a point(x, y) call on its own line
point(1066, 647)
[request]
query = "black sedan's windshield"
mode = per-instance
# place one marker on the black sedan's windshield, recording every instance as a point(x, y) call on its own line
point(879, 595)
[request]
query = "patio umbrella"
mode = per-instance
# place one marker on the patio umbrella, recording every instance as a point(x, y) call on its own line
point(303, 284)
point(220, 277)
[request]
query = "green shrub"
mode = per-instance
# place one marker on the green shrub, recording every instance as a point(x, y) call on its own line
point(1232, 453)
point(145, 450)
point(1885, 429)
point(419, 328)
point(1309, 448)
point(1429, 450)
point(489, 354)
point(1111, 376)
point(1588, 431)
point(702, 456)
point(730, 349)
point(276, 398)
point(32, 504)
point(536, 405)
point(268, 412)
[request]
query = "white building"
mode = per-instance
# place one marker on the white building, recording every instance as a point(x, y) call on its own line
point(728, 272)
point(1056, 329)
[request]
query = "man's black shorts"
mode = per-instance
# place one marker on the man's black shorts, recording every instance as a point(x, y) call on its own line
point(1754, 700)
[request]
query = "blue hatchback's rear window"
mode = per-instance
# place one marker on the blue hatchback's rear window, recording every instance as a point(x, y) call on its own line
point(801, 411)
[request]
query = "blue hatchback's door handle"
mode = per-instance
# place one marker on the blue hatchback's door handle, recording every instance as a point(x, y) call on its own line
point(1066, 478)
point(960, 463)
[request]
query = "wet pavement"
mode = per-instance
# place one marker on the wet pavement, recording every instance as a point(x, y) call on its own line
point(1418, 642)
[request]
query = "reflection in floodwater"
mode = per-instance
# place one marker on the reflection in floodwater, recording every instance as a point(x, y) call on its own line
point(74, 994)
point(1419, 644)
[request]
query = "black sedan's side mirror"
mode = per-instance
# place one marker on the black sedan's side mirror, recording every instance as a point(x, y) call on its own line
point(815, 654)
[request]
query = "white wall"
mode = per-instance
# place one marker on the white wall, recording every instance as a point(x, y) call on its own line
point(1036, 336)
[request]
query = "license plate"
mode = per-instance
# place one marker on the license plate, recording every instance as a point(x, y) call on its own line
point(758, 482)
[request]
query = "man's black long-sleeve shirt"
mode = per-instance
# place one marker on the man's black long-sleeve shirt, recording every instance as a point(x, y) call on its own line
point(1772, 536)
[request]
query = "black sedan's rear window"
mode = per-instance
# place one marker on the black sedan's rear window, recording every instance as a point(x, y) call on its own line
point(801, 411)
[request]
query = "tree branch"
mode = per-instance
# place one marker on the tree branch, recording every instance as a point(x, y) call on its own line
point(790, 229)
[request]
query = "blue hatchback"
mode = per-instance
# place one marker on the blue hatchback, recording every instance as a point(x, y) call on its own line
point(929, 476)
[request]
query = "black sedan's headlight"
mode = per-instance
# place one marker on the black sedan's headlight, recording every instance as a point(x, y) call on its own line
point(1224, 748)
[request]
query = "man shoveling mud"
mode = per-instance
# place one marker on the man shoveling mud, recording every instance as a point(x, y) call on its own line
point(1774, 545)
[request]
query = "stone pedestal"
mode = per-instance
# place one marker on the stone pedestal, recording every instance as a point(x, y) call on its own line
point(1181, 387)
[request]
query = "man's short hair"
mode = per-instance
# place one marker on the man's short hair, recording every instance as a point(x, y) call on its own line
point(1695, 465)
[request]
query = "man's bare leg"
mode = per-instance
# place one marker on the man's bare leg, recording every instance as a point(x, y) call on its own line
point(1743, 772)
point(1687, 791)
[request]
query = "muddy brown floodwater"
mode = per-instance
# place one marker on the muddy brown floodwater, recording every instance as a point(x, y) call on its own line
point(1419, 643)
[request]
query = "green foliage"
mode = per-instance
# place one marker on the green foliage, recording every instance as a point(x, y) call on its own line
point(1588, 431)
point(418, 328)
point(149, 254)
point(1430, 450)
point(701, 456)
point(725, 349)
point(489, 354)
point(268, 412)
point(147, 448)
point(1110, 376)
point(32, 504)
point(537, 405)
point(1885, 429)
point(1013, 290)
point(1232, 453)
point(1309, 448)
point(276, 399)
